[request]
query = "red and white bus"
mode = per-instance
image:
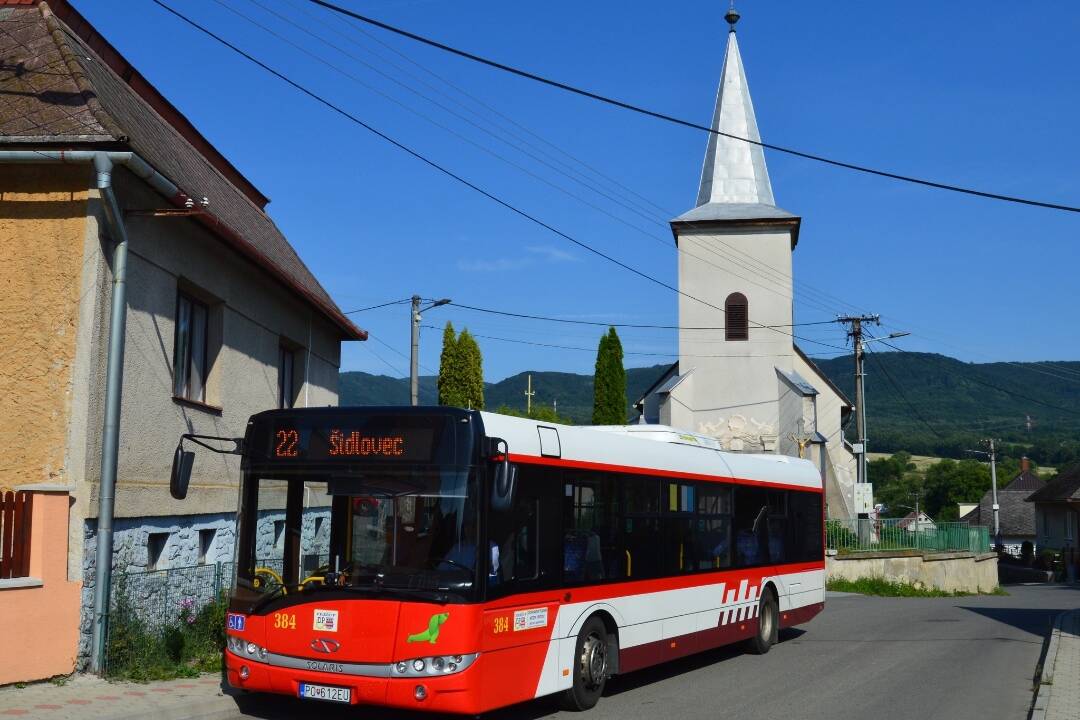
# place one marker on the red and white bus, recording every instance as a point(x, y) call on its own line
point(460, 561)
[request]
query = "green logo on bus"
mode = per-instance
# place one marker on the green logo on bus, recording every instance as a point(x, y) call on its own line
point(432, 633)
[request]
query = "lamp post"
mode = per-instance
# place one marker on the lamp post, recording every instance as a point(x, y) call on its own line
point(414, 355)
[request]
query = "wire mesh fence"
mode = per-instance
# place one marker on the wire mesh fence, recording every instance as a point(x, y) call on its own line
point(171, 622)
point(883, 534)
point(167, 623)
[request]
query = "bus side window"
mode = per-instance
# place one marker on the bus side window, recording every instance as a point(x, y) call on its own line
point(525, 537)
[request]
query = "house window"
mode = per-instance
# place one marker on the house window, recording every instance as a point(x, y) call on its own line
point(206, 542)
point(155, 550)
point(189, 357)
point(736, 317)
point(286, 372)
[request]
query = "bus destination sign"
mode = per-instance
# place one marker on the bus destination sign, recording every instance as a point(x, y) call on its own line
point(333, 443)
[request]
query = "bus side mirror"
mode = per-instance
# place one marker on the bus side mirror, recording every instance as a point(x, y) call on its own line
point(181, 471)
point(502, 488)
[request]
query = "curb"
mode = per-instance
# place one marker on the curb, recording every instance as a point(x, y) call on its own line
point(1046, 680)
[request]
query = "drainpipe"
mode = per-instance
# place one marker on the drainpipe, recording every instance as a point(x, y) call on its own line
point(110, 442)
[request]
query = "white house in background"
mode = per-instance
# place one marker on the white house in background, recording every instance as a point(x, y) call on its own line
point(747, 384)
point(925, 523)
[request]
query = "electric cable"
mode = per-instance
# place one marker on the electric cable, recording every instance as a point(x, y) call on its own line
point(685, 123)
point(431, 163)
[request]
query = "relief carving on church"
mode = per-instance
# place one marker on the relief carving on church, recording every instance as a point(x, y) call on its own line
point(740, 435)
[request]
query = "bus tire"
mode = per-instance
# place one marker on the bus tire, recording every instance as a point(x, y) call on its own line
point(767, 626)
point(591, 667)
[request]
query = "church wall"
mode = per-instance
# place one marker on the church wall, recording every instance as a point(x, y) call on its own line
point(743, 380)
point(843, 471)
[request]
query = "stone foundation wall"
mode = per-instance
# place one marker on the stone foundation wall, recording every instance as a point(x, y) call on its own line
point(184, 569)
point(951, 572)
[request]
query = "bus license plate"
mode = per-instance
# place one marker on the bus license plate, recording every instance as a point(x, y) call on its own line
point(325, 692)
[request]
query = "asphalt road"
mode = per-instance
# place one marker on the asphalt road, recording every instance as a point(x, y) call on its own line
point(955, 658)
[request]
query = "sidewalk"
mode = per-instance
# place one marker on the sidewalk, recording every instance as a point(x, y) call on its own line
point(85, 696)
point(1059, 692)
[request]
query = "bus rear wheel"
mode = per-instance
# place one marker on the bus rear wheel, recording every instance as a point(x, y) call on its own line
point(768, 624)
point(591, 666)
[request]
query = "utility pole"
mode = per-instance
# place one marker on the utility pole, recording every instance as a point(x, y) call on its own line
point(993, 489)
point(414, 354)
point(991, 454)
point(528, 397)
point(856, 335)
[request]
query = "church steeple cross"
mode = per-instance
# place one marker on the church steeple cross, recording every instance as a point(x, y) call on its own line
point(732, 16)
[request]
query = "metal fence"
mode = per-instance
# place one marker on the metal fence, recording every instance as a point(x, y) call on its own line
point(164, 623)
point(860, 535)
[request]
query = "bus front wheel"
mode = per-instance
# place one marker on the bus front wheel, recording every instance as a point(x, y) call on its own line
point(591, 667)
point(768, 624)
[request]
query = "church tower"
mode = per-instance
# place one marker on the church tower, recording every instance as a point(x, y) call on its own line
point(735, 251)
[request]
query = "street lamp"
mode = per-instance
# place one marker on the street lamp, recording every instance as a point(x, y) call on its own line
point(414, 355)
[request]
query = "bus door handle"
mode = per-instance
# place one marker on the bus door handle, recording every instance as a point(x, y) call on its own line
point(629, 562)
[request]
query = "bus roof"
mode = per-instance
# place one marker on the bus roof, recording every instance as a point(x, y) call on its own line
point(655, 448)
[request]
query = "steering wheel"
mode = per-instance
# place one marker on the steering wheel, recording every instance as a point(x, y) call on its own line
point(454, 563)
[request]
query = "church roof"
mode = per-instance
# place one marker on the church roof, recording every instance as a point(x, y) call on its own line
point(734, 179)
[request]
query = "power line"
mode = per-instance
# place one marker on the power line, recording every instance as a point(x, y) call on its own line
point(597, 323)
point(900, 393)
point(593, 350)
point(990, 385)
point(431, 163)
point(771, 275)
point(686, 123)
point(376, 307)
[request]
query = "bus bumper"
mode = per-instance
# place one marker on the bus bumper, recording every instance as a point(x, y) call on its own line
point(448, 694)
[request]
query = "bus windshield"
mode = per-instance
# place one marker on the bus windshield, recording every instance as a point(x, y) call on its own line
point(402, 531)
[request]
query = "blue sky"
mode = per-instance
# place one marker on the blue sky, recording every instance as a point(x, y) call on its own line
point(975, 93)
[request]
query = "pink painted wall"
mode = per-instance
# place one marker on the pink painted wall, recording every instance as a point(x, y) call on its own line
point(39, 626)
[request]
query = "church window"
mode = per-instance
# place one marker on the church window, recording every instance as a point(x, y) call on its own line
point(736, 317)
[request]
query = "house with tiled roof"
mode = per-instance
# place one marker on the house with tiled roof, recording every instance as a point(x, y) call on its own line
point(1056, 507)
point(145, 293)
point(1016, 517)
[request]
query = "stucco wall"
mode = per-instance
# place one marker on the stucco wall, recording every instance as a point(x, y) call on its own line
point(250, 313)
point(39, 625)
point(42, 222)
point(951, 572)
point(742, 380)
point(840, 478)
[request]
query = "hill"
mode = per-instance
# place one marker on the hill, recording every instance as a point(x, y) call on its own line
point(571, 391)
point(924, 403)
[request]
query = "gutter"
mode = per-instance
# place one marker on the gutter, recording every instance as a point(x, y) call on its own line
point(103, 163)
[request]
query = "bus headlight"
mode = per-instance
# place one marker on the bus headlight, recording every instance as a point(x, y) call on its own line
point(434, 665)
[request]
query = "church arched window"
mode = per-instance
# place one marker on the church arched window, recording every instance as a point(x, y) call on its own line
point(736, 317)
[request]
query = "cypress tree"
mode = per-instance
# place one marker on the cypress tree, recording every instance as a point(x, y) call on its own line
point(450, 376)
point(472, 367)
point(609, 382)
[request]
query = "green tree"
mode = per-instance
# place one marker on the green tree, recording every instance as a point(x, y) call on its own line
point(451, 383)
point(609, 382)
point(950, 482)
point(472, 365)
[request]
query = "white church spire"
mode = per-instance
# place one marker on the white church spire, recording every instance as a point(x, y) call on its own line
point(734, 171)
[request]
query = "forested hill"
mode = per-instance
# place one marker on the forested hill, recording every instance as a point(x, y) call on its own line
point(942, 407)
point(572, 392)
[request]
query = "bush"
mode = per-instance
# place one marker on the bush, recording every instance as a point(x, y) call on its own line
point(184, 646)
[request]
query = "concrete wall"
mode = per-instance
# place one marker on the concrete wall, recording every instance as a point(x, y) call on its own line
point(42, 223)
point(39, 615)
point(951, 572)
point(743, 382)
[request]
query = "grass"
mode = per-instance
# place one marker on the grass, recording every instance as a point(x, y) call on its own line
point(881, 587)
